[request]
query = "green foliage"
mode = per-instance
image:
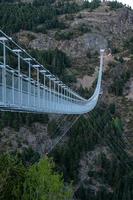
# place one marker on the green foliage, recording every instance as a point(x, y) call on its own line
point(12, 176)
point(17, 120)
point(66, 7)
point(84, 29)
point(112, 64)
point(115, 5)
point(117, 87)
point(29, 156)
point(64, 35)
point(113, 175)
point(84, 137)
point(52, 125)
point(118, 83)
point(100, 127)
point(114, 50)
point(120, 59)
point(112, 108)
point(124, 189)
point(92, 5)
point(14, 17)
point(68, 79)
point(55, 60)
point(128, 44)
point(36, 182)
point(85, 92)
point(8, 1)
point(43, 183)
point(42, 2)
point(117, 125)
point(68, 35)
point(37, 16)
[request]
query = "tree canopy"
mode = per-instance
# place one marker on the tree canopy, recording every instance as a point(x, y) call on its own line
point(36, 182)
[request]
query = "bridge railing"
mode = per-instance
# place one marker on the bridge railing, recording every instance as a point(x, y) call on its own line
point(26, 84)
point(31, 63)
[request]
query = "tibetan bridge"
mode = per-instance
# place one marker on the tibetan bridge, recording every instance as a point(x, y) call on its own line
point(27, 86)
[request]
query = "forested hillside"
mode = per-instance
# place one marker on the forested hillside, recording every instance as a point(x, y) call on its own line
point(95, 157)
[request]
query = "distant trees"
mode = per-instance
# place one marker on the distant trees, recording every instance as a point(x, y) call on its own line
point(12, 177)
point(67, 7)
point(92, 5)
point(52, 126)
point(55, 60)
point(117, 126)
point(14, 17)
point(41, 15)
point(124, 189)
point(28, 156)
point(128, 44)
point(7, 1)
point(42, 2)
point(118, 83)
point(84, 137)
point(36, 182)
point(112, 170)
point(37, 16)
point(64, 35)
point(115, 5)
point(17, 120)
point(71, 34)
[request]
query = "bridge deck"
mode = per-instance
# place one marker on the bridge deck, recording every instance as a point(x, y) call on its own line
point(44, 93)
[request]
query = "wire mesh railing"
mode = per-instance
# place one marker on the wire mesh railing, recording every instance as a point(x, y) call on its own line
point(27, 85)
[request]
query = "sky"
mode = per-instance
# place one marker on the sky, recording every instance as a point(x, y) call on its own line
point(127, 2)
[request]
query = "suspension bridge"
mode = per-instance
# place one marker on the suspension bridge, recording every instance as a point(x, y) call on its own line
point(27, 86)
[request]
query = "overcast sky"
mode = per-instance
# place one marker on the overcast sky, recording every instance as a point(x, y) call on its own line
point(127, 2)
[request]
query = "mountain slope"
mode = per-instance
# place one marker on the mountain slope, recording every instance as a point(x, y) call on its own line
point(97, 152)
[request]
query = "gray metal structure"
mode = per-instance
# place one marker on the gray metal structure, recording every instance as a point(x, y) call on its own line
point(27, 86)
